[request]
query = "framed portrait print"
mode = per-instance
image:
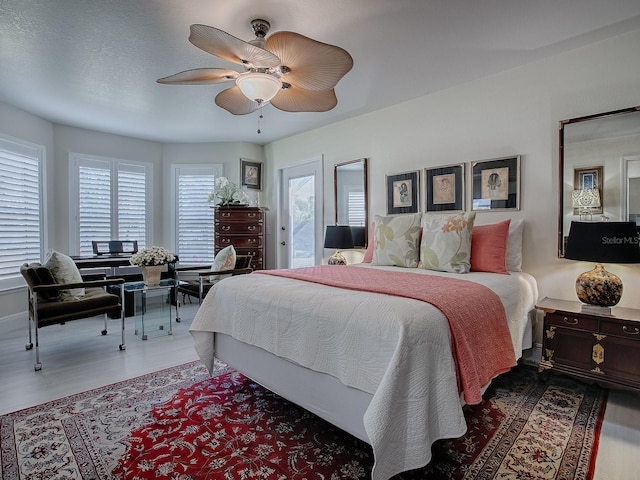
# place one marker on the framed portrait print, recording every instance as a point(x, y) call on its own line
point(251, 174)
point(496, 184)
point(588, 179)
point(402, 192)
point(444, 188)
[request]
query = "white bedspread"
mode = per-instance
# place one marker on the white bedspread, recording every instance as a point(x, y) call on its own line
point(396, 349)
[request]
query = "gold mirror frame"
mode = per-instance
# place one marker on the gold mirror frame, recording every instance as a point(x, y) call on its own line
point(348, 177)
point(603, 144)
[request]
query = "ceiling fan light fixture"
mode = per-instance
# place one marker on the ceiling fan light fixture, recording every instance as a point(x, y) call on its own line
point(259, 87)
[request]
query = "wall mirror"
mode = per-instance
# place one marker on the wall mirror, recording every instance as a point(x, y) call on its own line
point(599, 169)
point(351, 198)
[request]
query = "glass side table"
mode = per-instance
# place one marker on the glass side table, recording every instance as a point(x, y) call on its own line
point(152, 307)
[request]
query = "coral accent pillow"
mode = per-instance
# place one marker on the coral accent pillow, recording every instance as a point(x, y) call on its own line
point(368, 254)
point(397, 240)
point(489, 247)
point(446, 242)
point(225, 260)
point(64, 270)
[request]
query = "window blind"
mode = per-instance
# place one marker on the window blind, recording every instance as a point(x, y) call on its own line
point(21, 216)
point(195, 236)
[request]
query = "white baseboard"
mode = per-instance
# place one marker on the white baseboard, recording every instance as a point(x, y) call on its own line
point(16, 317)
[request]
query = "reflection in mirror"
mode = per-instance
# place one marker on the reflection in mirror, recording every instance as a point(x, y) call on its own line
point(599, 154)
point(351, 196)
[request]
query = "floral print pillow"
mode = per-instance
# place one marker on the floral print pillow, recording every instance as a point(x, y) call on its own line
point(446, 242)
point(397, 239)
point(224, 260)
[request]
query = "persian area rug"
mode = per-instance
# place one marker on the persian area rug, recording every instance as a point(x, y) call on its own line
point(179, 424)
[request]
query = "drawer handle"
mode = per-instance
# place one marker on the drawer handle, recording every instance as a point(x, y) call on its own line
point(572, 321)
point(226, 214)
point(225, 240)
point(251, 227)
point(226, 228)
point(251, 215)
point(635, 330)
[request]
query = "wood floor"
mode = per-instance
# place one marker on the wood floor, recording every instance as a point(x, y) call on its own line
point(76, 357)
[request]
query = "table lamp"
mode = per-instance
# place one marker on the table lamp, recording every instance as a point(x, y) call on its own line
point(585, 201)
point(338, 237)
point(611, 242)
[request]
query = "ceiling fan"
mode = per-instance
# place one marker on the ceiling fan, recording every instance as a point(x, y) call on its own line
point(292, 72)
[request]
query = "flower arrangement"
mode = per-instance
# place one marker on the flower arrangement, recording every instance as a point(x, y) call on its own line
point(152, 256)
point(227, 193)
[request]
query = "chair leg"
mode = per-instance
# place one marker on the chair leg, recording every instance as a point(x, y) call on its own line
point(123, 346)
point(29, 345)
point(104, 331)
point(38, 366)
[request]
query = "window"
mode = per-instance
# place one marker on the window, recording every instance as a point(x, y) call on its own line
point(21, 207)
point(193, 218)
point(110, 200)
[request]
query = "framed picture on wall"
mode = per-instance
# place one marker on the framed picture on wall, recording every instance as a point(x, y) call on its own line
point(444, 188)
point(496, 184)
point(403, 192)
point(251, 174)
point(588, 179)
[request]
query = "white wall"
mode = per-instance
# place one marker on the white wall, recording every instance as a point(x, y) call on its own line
point(516, 112)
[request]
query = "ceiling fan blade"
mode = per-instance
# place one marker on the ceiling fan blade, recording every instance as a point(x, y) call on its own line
point(233, 101)
point(224, 45)
point(314, 65)
point(294, 99)
point(200, 76)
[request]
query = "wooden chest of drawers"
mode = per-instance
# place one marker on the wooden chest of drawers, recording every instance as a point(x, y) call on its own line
point(597, 348)
point(244, 228)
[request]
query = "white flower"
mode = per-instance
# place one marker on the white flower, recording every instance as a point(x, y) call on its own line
point(152, 256)
point(227, 193)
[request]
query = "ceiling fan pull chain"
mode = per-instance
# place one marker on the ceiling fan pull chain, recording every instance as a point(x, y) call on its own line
point(259, 118)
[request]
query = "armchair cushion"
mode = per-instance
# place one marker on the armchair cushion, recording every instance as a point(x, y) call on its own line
point(224, 260)
point(64, 270)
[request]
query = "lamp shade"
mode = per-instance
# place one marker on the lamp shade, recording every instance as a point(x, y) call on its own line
point(338, 236)
point(259, 87)
point(604, 242)
point(358, 236)
point(585, 198)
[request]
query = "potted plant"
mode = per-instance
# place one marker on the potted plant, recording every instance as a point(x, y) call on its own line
point(226, 193)
point(151, 261)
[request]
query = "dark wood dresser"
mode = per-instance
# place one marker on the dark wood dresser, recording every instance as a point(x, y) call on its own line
point(599, 348)
point(244, 228)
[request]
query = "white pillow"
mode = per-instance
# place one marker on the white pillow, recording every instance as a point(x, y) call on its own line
point(514, 246)
point(64, 270)
point(397, 239)
point(225, 260)
point(446, 242)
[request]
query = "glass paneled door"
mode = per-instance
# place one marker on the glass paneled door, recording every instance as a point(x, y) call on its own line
point(301, 216)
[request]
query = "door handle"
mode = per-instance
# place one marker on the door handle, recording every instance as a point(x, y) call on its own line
point(283, 243)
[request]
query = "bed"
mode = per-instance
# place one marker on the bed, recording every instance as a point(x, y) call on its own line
point(381, 367)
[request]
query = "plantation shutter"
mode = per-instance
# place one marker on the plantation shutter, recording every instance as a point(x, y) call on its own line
point(20, 207)
point(132, 195)
point(356, 209)
point(111, 201)
point(194, 217)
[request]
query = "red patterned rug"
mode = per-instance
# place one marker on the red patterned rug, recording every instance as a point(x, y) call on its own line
point(179, 424)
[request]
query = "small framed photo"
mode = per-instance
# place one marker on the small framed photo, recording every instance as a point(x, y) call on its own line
point(251, 174)
point(496, 184)
point(587, 179)
point(402, 192)
point(444, 188)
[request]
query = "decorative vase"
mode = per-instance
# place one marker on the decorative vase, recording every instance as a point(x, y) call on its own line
point(151, 274)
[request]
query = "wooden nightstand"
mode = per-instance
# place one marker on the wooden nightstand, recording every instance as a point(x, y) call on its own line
point(604, 349)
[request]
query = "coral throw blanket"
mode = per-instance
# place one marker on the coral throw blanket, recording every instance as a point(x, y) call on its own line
point(481, 341)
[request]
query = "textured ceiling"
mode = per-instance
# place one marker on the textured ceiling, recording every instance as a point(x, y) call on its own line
point(93, 63)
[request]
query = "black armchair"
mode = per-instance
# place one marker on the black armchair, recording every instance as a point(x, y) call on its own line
point(45, 309)
point(199, 287)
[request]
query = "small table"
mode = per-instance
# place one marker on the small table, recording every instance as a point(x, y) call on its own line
point(594, 347)
point(152, 307)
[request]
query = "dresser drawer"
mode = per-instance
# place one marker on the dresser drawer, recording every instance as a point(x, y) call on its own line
point(572, 321)
point(239, 215)
point(239, 228)
point(238, 242)
point(624, 329)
